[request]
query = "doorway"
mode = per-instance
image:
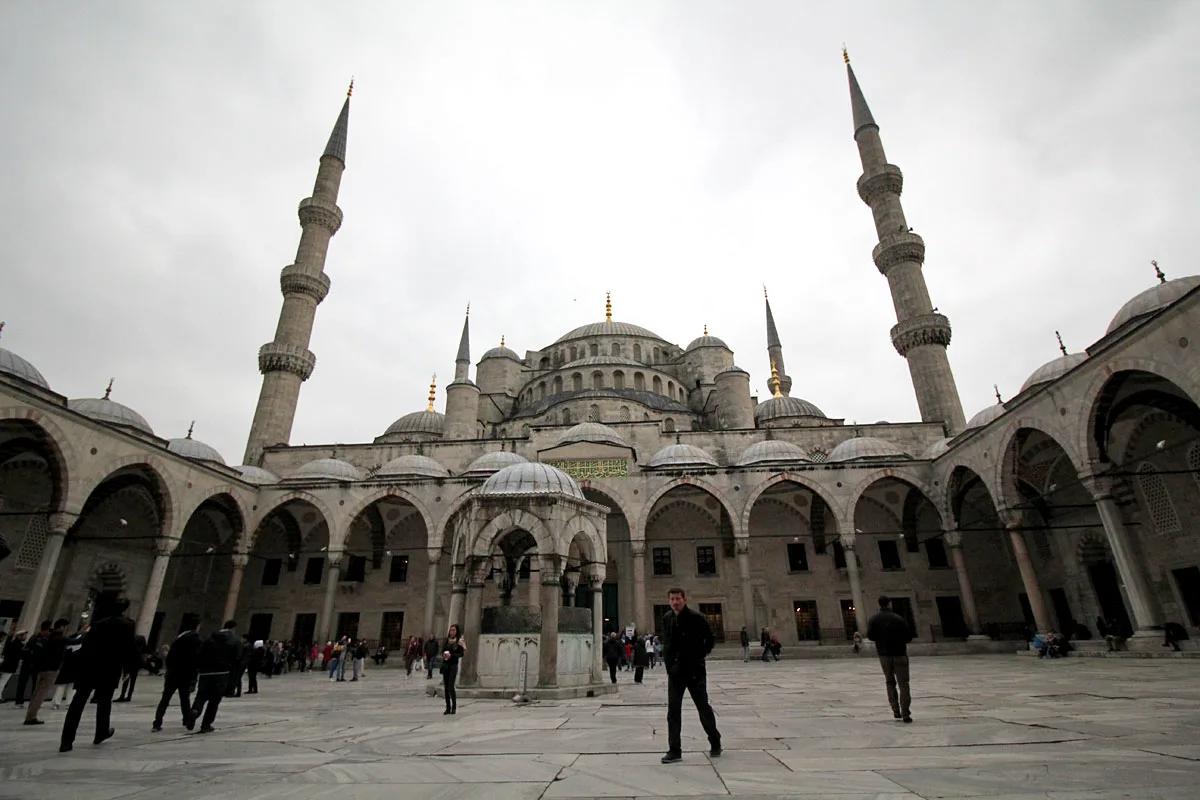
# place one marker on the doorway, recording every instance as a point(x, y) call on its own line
point(903, 607)
point(849, 618)
point(954, 625)
point(347, 624)
point(716, 620)
point(391, 631)
point(612, 611)
point(305, 629)
point(808, 623)
point(1108, 594)
point(260, 627)
point(1062, 610)
point(1188, 581)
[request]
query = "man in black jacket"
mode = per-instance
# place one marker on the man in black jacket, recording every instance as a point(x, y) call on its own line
point(891, 635)
point(219, 656)
point(107, 648)
point(181, 672)
point(430, 653)
point(687, 639)
point(47, 660)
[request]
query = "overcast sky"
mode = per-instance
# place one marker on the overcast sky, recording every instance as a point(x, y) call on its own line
point(529, 156)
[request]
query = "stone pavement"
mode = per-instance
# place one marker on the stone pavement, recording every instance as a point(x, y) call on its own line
point(986, 727)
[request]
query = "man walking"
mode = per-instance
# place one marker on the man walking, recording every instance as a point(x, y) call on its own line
point(108, 647)
point(431, 652)
point(687, 639)
point(218, 658)
point(889, 631)
point(745, 645)
point(47, 660)
point(181, 671)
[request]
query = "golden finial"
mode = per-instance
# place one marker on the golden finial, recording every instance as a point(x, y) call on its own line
point(350, 91)
point(999, 399)
point(1061, 346)
point(706, 330)
point(191, 428)
point(468, 308)
point(502, 340)
point(608, 306)
point(1158, 272)
point(432, 391)
point(775, 379)
point(845, 54)
point(765, 295)
point(108, 391)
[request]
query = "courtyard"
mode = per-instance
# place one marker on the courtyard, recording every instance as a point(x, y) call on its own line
point(985, 727)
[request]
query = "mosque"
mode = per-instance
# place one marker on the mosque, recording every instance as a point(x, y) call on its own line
point(598, 470)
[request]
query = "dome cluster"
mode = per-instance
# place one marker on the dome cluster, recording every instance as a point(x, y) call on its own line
point(786, 408)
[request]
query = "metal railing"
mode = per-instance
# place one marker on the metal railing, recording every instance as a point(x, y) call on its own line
point(1007, 631)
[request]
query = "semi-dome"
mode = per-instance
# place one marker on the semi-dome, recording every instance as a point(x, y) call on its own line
point(865, 447)
point(592, 432)
point(681, 455)
point(502, 352)
point(984, 417)
point(706, 341)
point(531, 478)
point(412, 466)
point(256, 475)
point(938, 448)
point(786, 408)
point(194, 449)
point(102, 409)
point(13, 364)
point(1153, 299)
point(488, 463)
point(608, 328)
point(327, 469)
point(1053, 370)
point(428, 422)
point(771, 451)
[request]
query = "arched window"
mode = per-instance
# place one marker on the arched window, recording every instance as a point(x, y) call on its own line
point(669, 425)
point(671, 389)
point(558, 385)
point(597, 380)
point(594, 349)
point(657, 385)
point(637, 352)
point(639, 381)
point(682, 395)
point(1157, 500)
point(616, 349)
point(574, 352)
point(594, 414)
point(566, 416)
point(577, 382)
point(618, 380)
point(623, 415)
point(561, 356)
point(544, 363)
point(542, 390)
point(551, 418)
point(656, 353)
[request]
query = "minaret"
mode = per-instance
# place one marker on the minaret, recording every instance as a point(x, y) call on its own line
point(462, 396)
point(286, 362)
point(922, 334)
point(775, 350)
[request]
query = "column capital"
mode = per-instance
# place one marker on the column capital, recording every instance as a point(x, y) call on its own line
point(334, 558)
point(240, 560)
point(638, 549)
point(61, 521)
point(847, 540)
point(434, 554)
point(952, 538)
point(741, 545)
point(1010, 518)
point(1098, 484)
point(164, 546)
point(550, 567)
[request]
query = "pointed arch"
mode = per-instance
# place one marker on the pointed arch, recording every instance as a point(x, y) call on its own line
point(68, 494)
point(279, 501)
point(735, 519)
point(1094, 394)
point(366, 501)
point(775, 480)
point(868, 479)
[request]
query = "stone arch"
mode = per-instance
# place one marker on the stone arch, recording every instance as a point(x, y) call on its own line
point(361, 505)
point(1093, 395)
point(639, 533)
point(869, 479)
point(1003, 471)
point(960, 481)
point(582, 532)
point(65, 467)
point(437, 536)
point(279, 501)
point(785, 477)
point(150, 469)
point(515, 519)
point(215, 492)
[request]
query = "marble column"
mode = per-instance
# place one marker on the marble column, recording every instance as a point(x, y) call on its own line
point(548, 641)
point(469, 670)
point(535, 586)
point(1033, 589)
point(431, 579)
point(158, 574)
point(458, 596)
point(953, 540)
point(1146, 617)
point(743, 559)
point(59, 523)
point(597, 585)
point(860, 610)
point(240, 561)
point(641, 618)
point(333, 575)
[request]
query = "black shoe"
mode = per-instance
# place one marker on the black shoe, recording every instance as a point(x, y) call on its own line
point(34, 722)
point(895, 713)
point(105, 736)
point(190, 723)
point(671, 758)
point(157, 728)
point(907, 718)
point(206, 728)
point(65, 748)
point(447, 711)
point(454, 711)
point(715, 752)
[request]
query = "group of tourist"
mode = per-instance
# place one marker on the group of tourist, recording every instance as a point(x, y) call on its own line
point(631, 650)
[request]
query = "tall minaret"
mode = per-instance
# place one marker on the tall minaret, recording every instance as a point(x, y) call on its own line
point(462, 396)
point(287, 362)
point(775, 351)
point(922, 333)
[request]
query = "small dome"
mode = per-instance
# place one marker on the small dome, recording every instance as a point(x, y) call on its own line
point(429, 422)
point(938, 448)
point(681, 455)
point(1153, 299)
point(591, 432)
point(786, 408)
point(706, 341)
point(1053, 370)
point(256, 475)
point(531, 478)
point(193, 449)
point(984, 417)
point(327, 469)
point(102, 409)
point(734, 370)
point(13, 364)
point(608, 328)
point(412, 466)
point(461, 382)
point(502, 352)
point(494, 462)
point(771, 451)
point(865, 447)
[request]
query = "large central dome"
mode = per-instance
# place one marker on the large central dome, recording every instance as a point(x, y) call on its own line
point(608, 328)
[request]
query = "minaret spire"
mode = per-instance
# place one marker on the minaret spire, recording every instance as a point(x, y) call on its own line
point(922, 334)
point(286, 361)
point(462, 362)
point(775, 351)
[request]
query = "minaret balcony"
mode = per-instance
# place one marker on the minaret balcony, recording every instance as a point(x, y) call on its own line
point(898, 249)
point(293, 280)
point(921, 330)
point(276, 357)
point(314, 211)
point(875, 184)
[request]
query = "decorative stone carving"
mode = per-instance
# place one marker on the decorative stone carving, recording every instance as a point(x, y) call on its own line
point(293, 281)
point(276, 357)
point(898, 249)
point(334, 559)
point(952, 538)
point(638, 549)
point(925, 329)
point(61, 521)
point(741, 544)
point(313, 211)
point(240, 560)
point(888, 180)
point(847, 540)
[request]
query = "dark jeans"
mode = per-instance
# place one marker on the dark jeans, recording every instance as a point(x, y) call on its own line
point(429, 666)
point(171, 686)
point(234, 683)
point(694, 681)
point(895, 671)
point(83, 690)
point(637, 674)
point(209, 691)
point(448, 678)
point(127, 686)
point(24, 676)
point(612, 670)
point(252, 683)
